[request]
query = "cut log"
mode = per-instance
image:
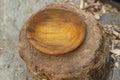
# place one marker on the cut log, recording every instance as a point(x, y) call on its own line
point(61, 42)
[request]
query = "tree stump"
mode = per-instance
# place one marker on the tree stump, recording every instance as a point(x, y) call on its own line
point(61, 42)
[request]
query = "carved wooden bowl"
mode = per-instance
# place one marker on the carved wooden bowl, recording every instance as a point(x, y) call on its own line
point(55, 31)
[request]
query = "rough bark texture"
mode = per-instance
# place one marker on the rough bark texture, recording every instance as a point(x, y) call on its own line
point(87, 62)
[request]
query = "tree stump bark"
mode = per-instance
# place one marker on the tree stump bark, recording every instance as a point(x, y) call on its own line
point(86, 61)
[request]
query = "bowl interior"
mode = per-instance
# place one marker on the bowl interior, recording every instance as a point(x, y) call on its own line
point(55, 31)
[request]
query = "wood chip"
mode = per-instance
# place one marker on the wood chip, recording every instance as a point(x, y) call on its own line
point(97, 16)
point(103, 9)
point(116, 52)
point(82, 4)
point(116, 64)
point(113, 57)
point(116, 34)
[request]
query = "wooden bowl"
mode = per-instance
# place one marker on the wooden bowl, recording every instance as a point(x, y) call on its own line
point(55, 31)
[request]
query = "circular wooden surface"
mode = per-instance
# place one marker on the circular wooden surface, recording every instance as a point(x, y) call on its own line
point(56, 31)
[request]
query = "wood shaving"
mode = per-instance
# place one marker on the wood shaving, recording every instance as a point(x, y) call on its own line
point(116, 52)
point(113, 31)
point(82, 4)
point(116, 34)
point(97, 16)
point(116, 64)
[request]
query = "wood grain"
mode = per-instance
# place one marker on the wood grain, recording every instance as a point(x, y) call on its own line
point(56, 31)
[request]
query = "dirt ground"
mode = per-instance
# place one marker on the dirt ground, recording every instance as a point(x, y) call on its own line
point(13, 14)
